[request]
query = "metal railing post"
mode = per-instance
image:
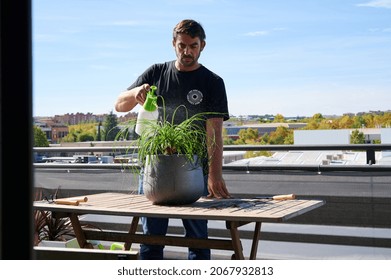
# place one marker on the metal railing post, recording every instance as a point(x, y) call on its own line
point(371, 156)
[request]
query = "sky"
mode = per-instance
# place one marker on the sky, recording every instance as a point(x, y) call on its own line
point(289, 57)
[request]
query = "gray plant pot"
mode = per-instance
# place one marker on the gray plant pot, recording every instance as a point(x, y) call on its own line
point(172, 180)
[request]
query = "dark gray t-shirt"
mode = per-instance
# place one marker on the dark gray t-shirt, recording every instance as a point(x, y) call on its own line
point(199, 91)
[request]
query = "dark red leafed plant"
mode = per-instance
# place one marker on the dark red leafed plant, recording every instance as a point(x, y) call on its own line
point(47, 227)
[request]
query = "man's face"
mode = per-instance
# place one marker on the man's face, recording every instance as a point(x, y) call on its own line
point(187, 50)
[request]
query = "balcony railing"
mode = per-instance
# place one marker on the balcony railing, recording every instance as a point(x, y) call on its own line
point(357, 199)
point(370, 150)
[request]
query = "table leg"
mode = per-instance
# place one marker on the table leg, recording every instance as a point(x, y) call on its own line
point(132, 230)
point(236, 244)
point(254, 246)
point(81, 239)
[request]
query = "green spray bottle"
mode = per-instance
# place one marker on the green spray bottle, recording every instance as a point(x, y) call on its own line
point(148, 111)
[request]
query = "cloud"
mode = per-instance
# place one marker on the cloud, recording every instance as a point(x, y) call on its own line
point(264, 32)
point(256, 33)
point(385, 30)
point(377, 4)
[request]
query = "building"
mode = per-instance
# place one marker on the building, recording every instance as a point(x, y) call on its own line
point(54, 131)
point(233, 130)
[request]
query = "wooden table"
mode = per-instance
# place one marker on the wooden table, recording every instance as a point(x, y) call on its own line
point(235, 212)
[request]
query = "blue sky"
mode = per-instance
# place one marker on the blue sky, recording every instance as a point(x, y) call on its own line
point(289, 57)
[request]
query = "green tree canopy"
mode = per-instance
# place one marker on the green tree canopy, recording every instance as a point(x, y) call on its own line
point(111, 129)
point(81, 133)
point(278, 137)
point(40, 137)
point(85, 137)
point(247, 136)
point(357, 137)
point(279, 118)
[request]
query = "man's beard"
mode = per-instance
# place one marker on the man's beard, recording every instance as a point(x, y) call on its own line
point(188, 60)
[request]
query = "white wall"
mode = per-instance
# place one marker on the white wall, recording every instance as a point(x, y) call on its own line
point(386, 139)
point(332, 136)
point(385, 135)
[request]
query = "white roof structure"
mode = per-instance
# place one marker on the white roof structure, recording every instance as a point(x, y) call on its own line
point(313, 158)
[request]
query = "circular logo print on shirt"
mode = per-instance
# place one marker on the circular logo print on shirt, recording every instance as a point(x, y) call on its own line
point(194, 97)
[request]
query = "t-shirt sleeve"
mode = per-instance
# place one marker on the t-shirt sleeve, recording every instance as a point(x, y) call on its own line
point(218, 102)
point(144, 78)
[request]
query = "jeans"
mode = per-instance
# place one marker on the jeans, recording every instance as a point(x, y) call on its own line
point(159, 226)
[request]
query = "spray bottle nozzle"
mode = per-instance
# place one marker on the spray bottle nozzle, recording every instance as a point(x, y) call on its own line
point(150, 103)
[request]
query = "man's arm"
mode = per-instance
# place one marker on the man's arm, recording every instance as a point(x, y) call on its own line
point(216, 183)
point(128, 99)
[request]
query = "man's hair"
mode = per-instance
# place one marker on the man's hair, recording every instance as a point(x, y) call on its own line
point(191, 28)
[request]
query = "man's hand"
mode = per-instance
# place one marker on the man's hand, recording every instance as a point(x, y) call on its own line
point(128, 99)
point(217, 188)
point(141, 94)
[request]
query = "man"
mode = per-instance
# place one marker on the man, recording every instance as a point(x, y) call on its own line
point(188, 83)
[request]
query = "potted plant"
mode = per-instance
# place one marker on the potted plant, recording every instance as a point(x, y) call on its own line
point(171, 155)
point(47, 227)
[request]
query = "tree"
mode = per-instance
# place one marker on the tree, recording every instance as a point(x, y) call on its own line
point(278, 137)
point(265, 139)
point(369, 120)
point(318, 117)
point(247, 136)
point(70, 137)
point(99, 135)
point(111, 129)
point(357, 137)
point(39, 138)
point(289, 139)
point(346, 122)
point(279, 118)
point(315, 121)
point(358, 122)
point(85, 137)
point(81, 133)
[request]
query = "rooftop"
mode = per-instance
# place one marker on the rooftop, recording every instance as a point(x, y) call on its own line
point(313, 158)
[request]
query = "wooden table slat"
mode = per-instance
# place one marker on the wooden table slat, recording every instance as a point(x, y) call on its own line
point(212, 209)
point(235, 212)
